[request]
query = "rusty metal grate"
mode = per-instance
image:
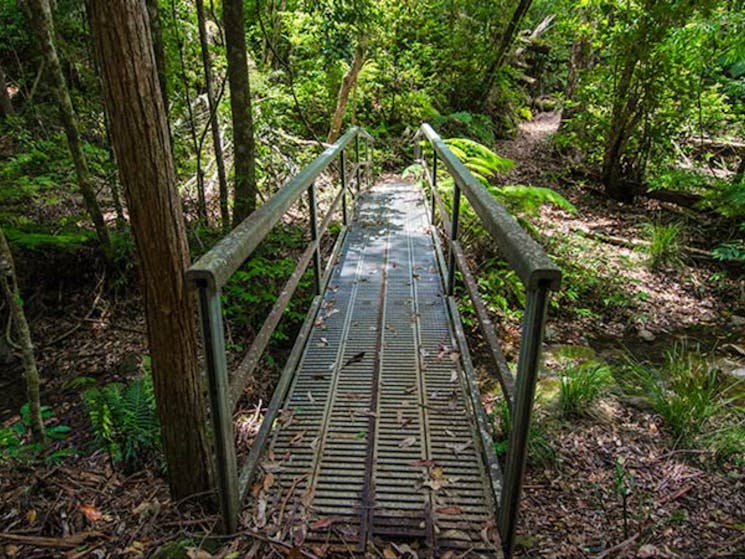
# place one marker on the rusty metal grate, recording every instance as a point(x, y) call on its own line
point(376, 440)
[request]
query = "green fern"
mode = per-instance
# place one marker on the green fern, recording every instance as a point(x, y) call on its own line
point(484, 164)
point(124, 421)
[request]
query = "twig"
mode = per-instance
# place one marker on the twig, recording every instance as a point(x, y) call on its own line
point(71, 331)
point(286, 500)
point(71, 541)
point(621, 546)
point(114, 326)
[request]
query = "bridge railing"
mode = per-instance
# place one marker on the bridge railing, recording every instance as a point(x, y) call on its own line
point(213, 270)
point(539, 276)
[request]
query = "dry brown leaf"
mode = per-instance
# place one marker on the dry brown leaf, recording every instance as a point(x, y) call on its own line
point(197, 553)
point(322, 523)
point(388, 553)
point(268, 481)
point(455, 535)
point(450, 511)
point(91, 512)
point(407, 442)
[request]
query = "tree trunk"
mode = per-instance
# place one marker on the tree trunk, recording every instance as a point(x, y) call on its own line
point(23, 334)
point(347, 84)
point(156, 28)
point(504, 45)
point(244, 146)
point(624, 117)
point(214, 122)
point(42, 18)
point(201, 200)
point(6, 105)
point(139, 133)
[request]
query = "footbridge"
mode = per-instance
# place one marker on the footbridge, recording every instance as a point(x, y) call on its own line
point(376, 431)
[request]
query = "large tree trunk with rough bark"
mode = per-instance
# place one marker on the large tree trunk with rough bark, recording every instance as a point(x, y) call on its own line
point(347, 84)
point(214, 122)
point(156, 28)
point(44, 26)
point(139, 132)
point(6, 105)
point(23, 337)
point(244, 146)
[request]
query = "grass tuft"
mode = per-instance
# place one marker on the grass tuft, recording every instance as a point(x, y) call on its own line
point(581, 384)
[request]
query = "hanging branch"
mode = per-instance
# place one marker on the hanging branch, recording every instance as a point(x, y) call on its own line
point(201, 201)
point(290, 76)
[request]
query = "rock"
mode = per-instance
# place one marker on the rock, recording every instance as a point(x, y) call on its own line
point(737, 320)
point(646, 335)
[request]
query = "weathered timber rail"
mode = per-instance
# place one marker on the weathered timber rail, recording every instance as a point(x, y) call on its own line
point(376, 429)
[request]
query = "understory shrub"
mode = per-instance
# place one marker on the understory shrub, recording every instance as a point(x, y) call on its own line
point(125, 422)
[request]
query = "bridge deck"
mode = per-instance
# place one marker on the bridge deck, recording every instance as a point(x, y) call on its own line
point(376, 439)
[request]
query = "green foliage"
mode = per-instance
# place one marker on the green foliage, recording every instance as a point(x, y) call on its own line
point(124, 421)
point(251, 292)
point(684, 391)
point(485, 164)
point(541, 453)
point(501, 287)
point(664, 248)
point(15, 442)
point(478, 127)
point(580, 385)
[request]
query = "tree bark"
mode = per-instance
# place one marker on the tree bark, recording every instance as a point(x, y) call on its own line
point(214, 122)
point(504, 45)
point(347, 84)
point(44, 26)
point(23, 335)
point(6, 105)
point(156, 28)
point(244, 146)
point(140, 137)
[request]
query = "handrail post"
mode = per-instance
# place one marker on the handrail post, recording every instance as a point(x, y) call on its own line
point(433, 186)
point(343, 174)
point(527, 372)
point(453, 237)
point(314, 236)
point(357, 159)
point(368, 163)
point(222, 417)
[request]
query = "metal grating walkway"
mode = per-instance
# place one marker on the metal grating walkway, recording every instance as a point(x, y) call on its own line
point(376, 441)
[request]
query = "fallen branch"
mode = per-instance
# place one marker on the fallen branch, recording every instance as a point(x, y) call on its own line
point(637, 243)
point(619, 547)
point(68, 542)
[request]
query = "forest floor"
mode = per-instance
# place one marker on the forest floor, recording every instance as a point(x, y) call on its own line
point(678, 502)
point(610, 484)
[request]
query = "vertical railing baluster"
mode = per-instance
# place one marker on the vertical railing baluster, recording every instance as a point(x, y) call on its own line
point(357, 159)
point(343, 175)
point(433, 186)
point(210, 312)
point(314, 236)
point(527, 372)
point(368, 163)
point(453, 237)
